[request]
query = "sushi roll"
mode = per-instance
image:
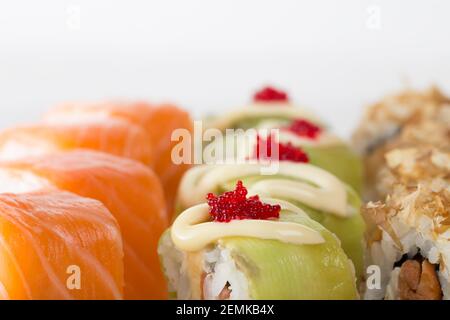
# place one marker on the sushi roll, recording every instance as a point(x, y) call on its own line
point(385, 119)
point(270, 108)
point(53, 245)
point(427, 140)
point(116, 137)
point(405, 120)
point(238, 247)
point(409, 166)
point(321, 151)
point(320, 194)
point(408, 242)
point(296, 127)
point(129, 189)
point(405, 142)
point(159, 121)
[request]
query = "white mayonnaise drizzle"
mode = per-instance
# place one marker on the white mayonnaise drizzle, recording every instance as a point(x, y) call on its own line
point(258, 110)
point(193, 230)
point(300, 182)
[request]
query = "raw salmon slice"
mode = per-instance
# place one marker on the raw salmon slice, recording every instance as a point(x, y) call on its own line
point(129, 189)
point(114, 136)
point(158, 120)
point(57, 245)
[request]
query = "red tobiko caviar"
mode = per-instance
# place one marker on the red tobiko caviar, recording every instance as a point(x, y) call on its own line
point(269, 94)
point(234, 205)
point(286, 151)
point(304, 128)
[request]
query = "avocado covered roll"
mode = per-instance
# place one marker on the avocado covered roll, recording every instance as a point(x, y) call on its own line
point(269, 108)
point(296, 127)
point(321, 195)
point(239, 247)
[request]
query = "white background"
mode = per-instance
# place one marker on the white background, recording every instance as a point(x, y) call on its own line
point(207, 55)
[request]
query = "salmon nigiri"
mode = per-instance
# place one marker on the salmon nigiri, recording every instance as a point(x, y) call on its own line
point(129, 189)
point(114, 136)
point(53, 245)
point(158, 120)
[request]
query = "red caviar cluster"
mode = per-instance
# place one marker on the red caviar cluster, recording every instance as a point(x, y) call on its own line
point(304, 128)
point(286, 151)
point(234, 205)
point(269, 94)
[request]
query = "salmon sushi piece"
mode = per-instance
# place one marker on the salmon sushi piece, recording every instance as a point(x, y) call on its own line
point(53, 244)
point(113, 136)
point(129, 189)
point(158, 120)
